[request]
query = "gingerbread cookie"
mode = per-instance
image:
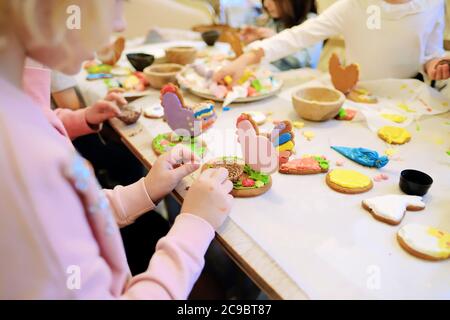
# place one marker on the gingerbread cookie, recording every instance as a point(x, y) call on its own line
point(348, 181)
point(155, 111)
point(257, 116)
point(194, 120)
point(246, 181)
point(166, 141)
point(361, 95)
point(129, 115)
point(344, 79)
point(391, 208)
point(424, 242)
point(394, 135)
point(248, 117)
point(305, 165)
point(282, 138)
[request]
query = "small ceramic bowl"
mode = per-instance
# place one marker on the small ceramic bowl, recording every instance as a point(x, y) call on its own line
point(140, 61)
point(414, 182)
point(181, 55)
point(210, 37)
point(317, 103)
point(161, 74)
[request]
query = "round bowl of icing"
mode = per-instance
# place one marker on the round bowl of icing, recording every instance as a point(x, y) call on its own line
point(414, 182)
point(181, 55)
point(317, 103)
point(140, 61)
point(159, 75)
point(210, 37)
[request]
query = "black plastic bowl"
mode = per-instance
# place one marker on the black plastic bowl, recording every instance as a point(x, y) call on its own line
point(140, 61)
point(415, 183)
point(210, 37)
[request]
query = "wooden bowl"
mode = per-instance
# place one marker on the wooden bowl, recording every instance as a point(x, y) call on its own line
point(317, 103)
point(181, 55)
point(161, 74)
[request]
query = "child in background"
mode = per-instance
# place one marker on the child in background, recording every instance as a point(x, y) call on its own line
point(53, 212)
point(284, 14)
point(407, 40)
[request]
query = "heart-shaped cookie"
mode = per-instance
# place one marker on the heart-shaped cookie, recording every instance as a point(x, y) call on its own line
point(343, 78)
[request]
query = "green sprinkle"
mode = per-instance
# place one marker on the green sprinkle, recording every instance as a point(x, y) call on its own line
point(259, 184)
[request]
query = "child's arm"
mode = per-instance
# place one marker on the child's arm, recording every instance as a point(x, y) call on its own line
point(328, 24)
point(89, 120)
point(434, 51)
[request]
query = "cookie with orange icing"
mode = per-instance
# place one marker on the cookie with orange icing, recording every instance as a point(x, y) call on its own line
point(348, 181)
point(305, 165)
point(424, 242)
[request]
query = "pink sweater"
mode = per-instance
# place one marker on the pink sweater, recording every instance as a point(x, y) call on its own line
point(57, 224)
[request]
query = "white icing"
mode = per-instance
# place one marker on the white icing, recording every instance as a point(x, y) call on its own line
point(393, 207)
point(418, 238)
point(258, 117)
point(155, 111)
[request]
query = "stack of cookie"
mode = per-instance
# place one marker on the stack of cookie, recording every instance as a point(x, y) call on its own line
point(283, 140)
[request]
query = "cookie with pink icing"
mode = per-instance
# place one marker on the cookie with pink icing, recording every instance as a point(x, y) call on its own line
point(391, 208)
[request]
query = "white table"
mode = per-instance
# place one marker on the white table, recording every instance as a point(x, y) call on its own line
point(303, 240)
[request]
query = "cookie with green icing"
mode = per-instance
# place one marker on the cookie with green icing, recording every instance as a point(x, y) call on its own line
point(165, 141)
point(246, 181)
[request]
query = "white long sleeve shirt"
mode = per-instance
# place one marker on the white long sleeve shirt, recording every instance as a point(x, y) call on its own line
point(407, 35)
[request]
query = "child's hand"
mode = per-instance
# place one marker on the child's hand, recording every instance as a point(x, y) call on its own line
point(237, 68)
point(105, 109)
point(437, 69)
point(209, 197)
point(163, 177)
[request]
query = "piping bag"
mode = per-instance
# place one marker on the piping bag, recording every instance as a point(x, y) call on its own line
point(363, 156)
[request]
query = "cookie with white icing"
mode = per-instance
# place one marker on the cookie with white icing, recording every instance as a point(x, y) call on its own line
point(424, 242)
point(391, 208)
point(155, 111)
point(257, 116)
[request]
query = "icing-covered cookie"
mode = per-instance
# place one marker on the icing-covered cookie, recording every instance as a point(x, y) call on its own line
point(155, 111)
point(259, 117)
point(305, 165)
point(348, 181)
point(246, 181)
point(391, 208)
point(394, 135)
point(361, 95)
point(424, 242)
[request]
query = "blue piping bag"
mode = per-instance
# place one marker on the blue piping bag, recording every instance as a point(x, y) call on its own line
point(365, 157)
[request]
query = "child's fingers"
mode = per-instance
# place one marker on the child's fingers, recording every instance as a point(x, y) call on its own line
point(116, 97)
point(185, 170)
point(219, 175)
point(227, 186)
point(445, 71)
point(181, 154)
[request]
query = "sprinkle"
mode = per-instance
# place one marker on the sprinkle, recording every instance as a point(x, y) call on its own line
point(228, 80)
point(298, 124)
point(448, 152)
point(384, 176)
point(226, 109)
point(390, 152)
point(445, 104)
point(269, 113)
point(439, 141)
point(403, 86)
point(378, 178)
point(309, 135)
point(339, 163)
point(405, 107)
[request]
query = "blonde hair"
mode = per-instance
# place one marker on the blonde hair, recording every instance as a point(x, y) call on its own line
point(52, 29)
